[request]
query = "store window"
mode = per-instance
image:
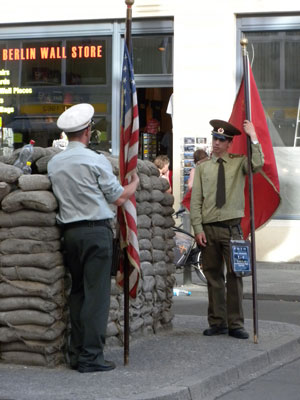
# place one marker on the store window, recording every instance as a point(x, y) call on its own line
point(275, 57)
point(152, 54)
point(39, 79)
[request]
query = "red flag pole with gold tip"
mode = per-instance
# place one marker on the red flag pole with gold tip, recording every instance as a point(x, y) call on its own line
point(247, 94)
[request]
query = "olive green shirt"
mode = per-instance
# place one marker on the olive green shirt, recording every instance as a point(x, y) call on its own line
point(203, 200)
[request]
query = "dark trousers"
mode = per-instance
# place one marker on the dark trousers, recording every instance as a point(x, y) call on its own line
point(88, 258)
point(224, 304)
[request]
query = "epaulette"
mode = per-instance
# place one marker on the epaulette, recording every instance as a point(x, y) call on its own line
point(94, 150)
point(235, 155)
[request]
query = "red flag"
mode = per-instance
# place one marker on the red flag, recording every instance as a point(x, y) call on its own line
point(129, 140)
point(265, 183)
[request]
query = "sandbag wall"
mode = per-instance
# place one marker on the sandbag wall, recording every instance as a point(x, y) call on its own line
point(32, 275)
point(151, 310)
point(33, 313)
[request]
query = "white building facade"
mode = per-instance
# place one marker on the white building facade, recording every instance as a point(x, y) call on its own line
point(57, 54)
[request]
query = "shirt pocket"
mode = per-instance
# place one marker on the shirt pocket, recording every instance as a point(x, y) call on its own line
point(207, 186)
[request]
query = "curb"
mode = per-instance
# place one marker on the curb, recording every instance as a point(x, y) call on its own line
point(199, 388)
point(271, 296)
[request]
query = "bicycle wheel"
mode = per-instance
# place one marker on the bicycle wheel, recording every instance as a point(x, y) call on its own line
point(197, 265)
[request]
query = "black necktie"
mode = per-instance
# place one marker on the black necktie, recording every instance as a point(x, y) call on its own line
point(220, 199)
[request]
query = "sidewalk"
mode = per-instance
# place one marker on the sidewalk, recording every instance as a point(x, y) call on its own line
point(180, 364)
point(274, 282)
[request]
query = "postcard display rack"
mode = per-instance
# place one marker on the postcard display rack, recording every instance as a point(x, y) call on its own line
point(6, 140)
point(190, 145)
point(149, 146)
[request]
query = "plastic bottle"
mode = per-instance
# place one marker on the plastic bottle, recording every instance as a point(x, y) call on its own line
point(181, 292)
point(27, 169)
point(25, 155)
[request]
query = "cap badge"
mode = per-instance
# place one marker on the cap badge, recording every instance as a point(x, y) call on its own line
point(220, 130)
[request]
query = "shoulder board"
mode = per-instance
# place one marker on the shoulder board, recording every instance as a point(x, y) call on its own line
point(94, 150)
point(236, 155)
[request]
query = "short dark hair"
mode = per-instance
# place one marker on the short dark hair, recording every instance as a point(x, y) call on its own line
point(199, 155)
point(77, 134)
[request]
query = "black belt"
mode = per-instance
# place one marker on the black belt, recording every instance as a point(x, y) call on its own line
point(231, 223)
point(85, 223)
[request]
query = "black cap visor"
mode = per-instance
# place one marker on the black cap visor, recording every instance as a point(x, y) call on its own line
point(220, 137)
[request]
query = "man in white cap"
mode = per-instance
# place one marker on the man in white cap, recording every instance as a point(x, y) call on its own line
point(84, 185)
point(217, 206)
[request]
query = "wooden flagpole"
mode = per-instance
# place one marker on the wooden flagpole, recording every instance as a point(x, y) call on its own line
point(244, 43)
point(129, 4)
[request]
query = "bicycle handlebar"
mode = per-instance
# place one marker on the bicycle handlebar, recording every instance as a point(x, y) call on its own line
point(180, 211)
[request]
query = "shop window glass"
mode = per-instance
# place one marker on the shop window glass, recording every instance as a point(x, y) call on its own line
point(275, 59)
point(292, 62)
point(83, 71)
point(153, 54)
point(39, 79)
point(43, 68)
point(266, 65)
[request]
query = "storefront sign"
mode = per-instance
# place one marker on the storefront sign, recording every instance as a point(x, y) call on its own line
point(51, 53)
point(5, 89)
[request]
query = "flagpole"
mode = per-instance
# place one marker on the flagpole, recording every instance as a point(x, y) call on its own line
point(129, 4)
point(244, 43)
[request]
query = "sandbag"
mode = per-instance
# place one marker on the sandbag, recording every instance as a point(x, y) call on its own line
point(34, 182)
point(38, 152)
point(35, 346)
point(23, 246)
point(31, 332)
point(42, 163)
point(33, 274)
point(40, 260)
point(30, 303)
point(27, 218)
point(28, 288)
point(41, 200)
point(45, 233)
point(9, 173)
point(26, 317)
point(35, 359)
point(5, 188)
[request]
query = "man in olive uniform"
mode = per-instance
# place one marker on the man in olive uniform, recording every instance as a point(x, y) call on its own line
point(217, 206)
point(84, 185)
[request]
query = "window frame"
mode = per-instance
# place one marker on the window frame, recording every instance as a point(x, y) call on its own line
point(116, 30)
point(261, 23)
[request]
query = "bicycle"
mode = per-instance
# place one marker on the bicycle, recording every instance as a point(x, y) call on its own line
point(187, 253)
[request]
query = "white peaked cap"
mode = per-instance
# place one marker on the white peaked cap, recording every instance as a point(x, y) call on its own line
point(76, 118)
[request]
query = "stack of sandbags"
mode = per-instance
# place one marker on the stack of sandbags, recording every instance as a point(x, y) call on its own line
point(32, 291)
point(40, 158)
point(155, 233)
point(151, 310)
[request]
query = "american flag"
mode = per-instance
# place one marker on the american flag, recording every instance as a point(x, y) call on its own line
point(129, 143)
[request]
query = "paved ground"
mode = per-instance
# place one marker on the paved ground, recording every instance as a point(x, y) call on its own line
point(181, 364)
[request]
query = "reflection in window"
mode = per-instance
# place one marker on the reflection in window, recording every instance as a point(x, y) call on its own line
point(55, 74)
point(292, 64)
point(83, 71)
point(276, 62)
point(276, 68)
point(152, 54)
point(266, 65)
point(45, 70)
